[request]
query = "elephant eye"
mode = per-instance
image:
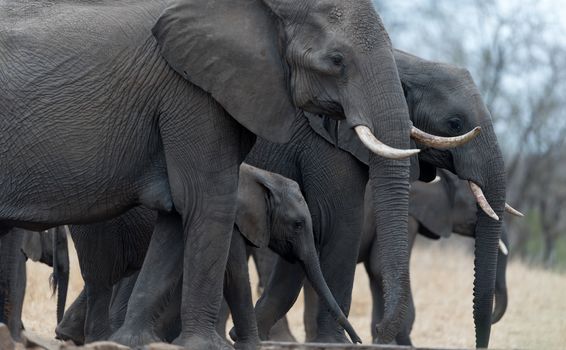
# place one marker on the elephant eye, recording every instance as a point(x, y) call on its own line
point(455, 124)
point(337, 59)
point(298, 225)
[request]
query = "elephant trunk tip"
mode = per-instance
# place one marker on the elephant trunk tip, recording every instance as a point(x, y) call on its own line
point(387, 329)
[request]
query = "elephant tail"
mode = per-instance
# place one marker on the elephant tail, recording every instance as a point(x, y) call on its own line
point(59, 280)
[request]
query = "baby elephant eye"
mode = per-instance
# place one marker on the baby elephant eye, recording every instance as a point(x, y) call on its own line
point(298, 225)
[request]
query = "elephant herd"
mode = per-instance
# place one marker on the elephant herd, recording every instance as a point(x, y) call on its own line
point(130, 121)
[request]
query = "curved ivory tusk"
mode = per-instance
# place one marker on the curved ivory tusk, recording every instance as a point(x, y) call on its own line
point(435, 181)
point(503, 248)
point(379, 148)
point(443, 142)
point(513, 211)
point(482, 201)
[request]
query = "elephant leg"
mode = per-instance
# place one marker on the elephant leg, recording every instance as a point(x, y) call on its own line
point(281, 331)
point(265, 260)
point(310, 313)
point(121, 293)
point(334, 186)
point(238, 294)
point(12, 282)
point(168, 325)
point(204, 149)
point(155, 283)
point(279, 295)
point(73, 324)
point(338, 259)
point(97, 320)
point(222, 320)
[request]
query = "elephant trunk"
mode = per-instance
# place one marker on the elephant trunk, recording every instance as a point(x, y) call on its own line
point(501, 282)
point(488, 233)
point(390, 190)
point(311, 266)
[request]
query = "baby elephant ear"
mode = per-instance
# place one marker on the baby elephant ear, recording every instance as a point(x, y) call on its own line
point(32, 246)
point(230, 48)
point(252, 214)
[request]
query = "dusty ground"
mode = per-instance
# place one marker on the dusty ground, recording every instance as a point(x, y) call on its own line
point(442, 284)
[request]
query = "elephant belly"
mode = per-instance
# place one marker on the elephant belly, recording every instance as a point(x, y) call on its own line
point(44, 184)
point(79, 140)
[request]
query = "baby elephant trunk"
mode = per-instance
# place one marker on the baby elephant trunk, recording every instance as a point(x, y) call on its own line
point(313, 272)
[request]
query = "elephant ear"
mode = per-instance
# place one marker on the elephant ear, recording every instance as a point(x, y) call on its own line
point(230, 49)
point(253, 217)
point(32, 246)
point(431, 205)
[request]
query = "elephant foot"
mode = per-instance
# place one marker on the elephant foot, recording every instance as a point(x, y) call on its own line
point(134, 339)
point(71, 332)
point(280, 332)
point(250, 345)
point(101, 335)
point(403, 339)
point(208, 342)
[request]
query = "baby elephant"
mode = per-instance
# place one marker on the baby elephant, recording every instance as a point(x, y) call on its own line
point(272, 213)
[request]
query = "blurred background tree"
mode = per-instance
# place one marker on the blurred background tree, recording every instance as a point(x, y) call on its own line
point(516, 52)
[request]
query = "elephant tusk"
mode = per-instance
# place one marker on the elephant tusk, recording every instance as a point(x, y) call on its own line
point(379, 148)
point(435, 181)
point(503, 248)
point(482, 201)
point(513, 211)
point(440, 142)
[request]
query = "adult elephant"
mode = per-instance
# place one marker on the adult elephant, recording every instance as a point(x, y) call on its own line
point(18, 246)
point(102, 109)
point(331, 167)
point(435, 210)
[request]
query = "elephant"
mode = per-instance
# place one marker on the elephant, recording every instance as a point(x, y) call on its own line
point(16, 247)
point(435, 210)
point(106, 106)
point(331, 167)
point(108, 252)
point(271, 212)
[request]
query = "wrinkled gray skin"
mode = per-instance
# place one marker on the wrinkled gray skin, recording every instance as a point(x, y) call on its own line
point(108, 252)
point(264, 260)
point(435, 211)
point(271, 212)
point(329, 164)
point(16, 247)
point(72, 326)
point(115, 105)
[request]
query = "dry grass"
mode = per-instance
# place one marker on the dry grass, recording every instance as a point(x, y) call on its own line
point(442, 284)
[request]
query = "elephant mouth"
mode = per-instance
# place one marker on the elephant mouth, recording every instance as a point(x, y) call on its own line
point(329, 108)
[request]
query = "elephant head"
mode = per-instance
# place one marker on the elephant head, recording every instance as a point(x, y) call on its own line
point(263, 59)
point(444, 100)
point(272, 213)
point(448, 206)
